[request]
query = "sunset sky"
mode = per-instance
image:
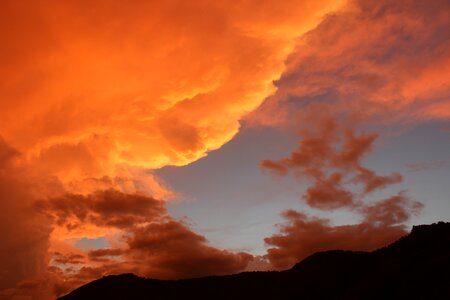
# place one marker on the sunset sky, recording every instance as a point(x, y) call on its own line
point(177, 139)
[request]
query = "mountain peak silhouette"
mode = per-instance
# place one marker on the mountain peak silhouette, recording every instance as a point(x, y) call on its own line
point(417, 266)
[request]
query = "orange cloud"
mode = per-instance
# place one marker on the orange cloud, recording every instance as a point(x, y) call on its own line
point(302, 235)
point(108, 208)
point(39, 262)
point(68, 259)
point(170, 250)
point(104, 255)
point(329, 193)
point(144, 240)
point(94, 89)
point(373, 181)
point(386, 60)
point(377, 61)
point(24, 234)
point(394, 210)
point(330, 154)
point(94, 95)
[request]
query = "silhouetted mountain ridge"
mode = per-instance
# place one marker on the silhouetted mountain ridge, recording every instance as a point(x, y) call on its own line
point(416, 266)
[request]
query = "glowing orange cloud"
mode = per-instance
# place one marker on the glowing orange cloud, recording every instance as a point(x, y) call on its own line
point(93, 95)
point(94, 89)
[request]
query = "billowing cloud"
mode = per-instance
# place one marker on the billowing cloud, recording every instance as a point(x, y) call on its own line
point(145, 239)
point(394, 210)
point(386, 60)
point(372, 181)
point(330, 153)
point(303, 235)
point(68, 259)
point(38, 261)
point(325, 143)
point(104, 254)
point(24, 233)
point(109, 208)
point(171, 250)
point(94, 96)
point(377, 61)
point(101, 88)
point(329, 193)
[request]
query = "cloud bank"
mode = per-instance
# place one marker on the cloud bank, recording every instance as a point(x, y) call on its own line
point(388, 60)
point(103, 88)
point(95, 96)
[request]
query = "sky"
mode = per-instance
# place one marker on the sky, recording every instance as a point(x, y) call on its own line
point(178, 139)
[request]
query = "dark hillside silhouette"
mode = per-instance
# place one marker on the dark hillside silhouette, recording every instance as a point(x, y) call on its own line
point(415, 267)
